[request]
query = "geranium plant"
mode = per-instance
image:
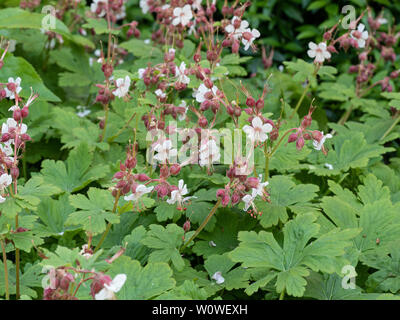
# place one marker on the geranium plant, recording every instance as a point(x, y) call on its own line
point(159, 149)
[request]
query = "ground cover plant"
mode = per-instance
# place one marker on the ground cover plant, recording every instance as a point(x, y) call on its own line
point(192, 149)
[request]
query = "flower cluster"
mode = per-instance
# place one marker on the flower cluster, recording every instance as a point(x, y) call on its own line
point(13, 134)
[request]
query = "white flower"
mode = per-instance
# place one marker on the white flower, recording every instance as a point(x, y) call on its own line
point(95, 4)
point(180, 73)
point(254, 34)
point(11, 123)
point(219, 279)
point(182, 15)
point(360, 35)
point(248, 199)
point(140, 191)
point(261, 186)
point(144, 6)
point(165, 151)
point(258, 131)
point(196, 5)
point(82, 111)
point(84, 252)
point(212, 244)
point(122, 85)
point(382, 20)
point(319, 52)
point(318, 144)
point(159, 93)
point(177, 195)
point(107, 293)
point(329, 166)
point(209, 153)
point(5, 181)
point(13, 108)
point(17, 82)
point(236, 33)
point(6, 148)
point(141, 72)
point(182, 116)
point(202, 91)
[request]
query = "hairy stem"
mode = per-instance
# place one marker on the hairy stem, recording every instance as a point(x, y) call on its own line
point(280, 141)
point(396, 121)
point(17, 263)
point(111, 139)
point(5, 269)
point(300, 100)
point(213, 210)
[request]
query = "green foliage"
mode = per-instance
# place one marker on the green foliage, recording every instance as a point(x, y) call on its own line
point(292, 262)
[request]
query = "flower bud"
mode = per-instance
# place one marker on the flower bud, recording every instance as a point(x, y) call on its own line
point(260, 104)
point(119, 175)
point(208, 83)
point(66, 280)
point(252, 182)
point(300, 143)
point(130, 163)
point(143, 177)
point(306, 122)
point(197, 57)
point(25, 137)
point(3, 94)
point(5, 137)
point(175, 169)
point(327, 36)
point(24, 112)
point(162, 190)
point(225, 200)
point(186, 226)
point(317, 135)
point(17, 114)
point(98, 283)
point(203, 122)
point(395, 74)
point(205, 105)
point(250, 102)
point(107, 70)
point(14, 171)
point(235, 198)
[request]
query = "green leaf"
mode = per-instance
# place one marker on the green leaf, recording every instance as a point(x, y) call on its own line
point(234, 278)
point(75, 173)
point(223, 238)
point(134, 247)
point(387, 278)
point(165, 211)
point(349, 152)
point(285, 194)
point(95, 210)
point(298, 255)
point(99, 26)
point(142, 283)
point(165, 242)
point(53, 214)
